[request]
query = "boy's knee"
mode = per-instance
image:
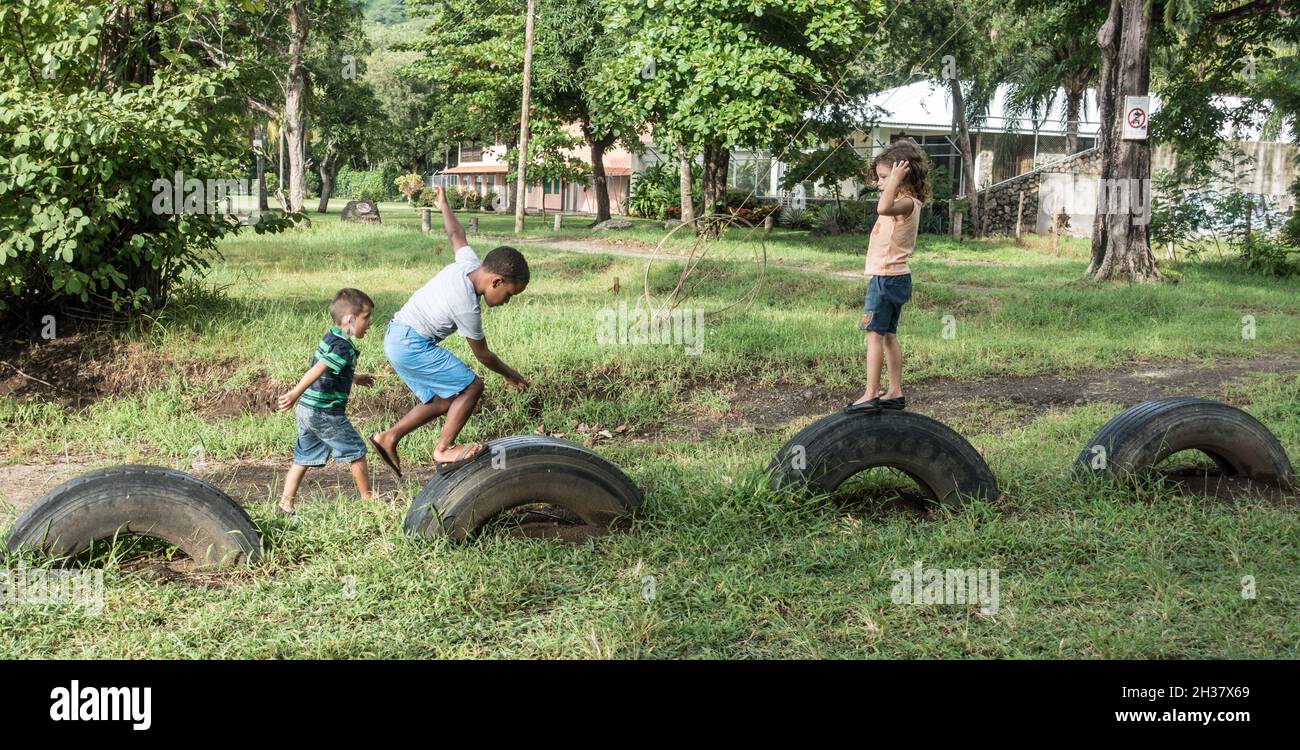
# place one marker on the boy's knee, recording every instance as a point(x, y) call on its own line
point(473, 390)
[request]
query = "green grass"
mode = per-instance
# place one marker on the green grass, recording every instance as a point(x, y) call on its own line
point(736, 570)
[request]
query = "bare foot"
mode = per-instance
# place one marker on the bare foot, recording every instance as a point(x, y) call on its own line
point(285, 507)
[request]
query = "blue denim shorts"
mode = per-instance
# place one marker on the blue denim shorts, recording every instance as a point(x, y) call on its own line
point(322, 433)
point(426, 368)
point(886, 296)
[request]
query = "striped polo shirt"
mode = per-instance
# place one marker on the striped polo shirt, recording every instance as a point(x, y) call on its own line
point(330, 391)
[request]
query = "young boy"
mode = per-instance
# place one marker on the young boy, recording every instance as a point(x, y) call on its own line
point(322, 398)
point(902, 171)
point(442, 384)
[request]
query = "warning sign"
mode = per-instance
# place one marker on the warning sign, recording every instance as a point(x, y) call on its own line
point(1137, 116)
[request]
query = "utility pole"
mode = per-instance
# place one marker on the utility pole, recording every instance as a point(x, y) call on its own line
point(522, 180)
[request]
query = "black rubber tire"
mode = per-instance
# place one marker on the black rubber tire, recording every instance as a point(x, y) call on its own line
point(1142, 436)
point(943, 464)
point(176, 507)
point(536, 469)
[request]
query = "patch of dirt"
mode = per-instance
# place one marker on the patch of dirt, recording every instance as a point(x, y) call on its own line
point(755, 406)
point(23, 484)
point(1208, 481)
point(80, 369)
point(247, 482)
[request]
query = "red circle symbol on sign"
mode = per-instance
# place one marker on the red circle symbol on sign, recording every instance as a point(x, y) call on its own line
point(1137, 118)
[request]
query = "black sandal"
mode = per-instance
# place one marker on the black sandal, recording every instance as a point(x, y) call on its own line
point(868, 405)
point(384, 455)
point(898, 404)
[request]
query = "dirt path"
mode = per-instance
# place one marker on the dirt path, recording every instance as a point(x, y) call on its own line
point(248, 482)
point(760, 406)
point(751, 407)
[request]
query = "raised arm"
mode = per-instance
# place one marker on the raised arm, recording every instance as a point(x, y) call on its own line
point(890, 204)
point(455, 232)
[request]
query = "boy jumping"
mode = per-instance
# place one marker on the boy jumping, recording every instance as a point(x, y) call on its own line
point(442, 384)
point(322, 399)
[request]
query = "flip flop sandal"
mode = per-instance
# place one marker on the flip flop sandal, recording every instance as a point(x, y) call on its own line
point(450, 466)
point(867, 406)
point(899, 403)
point(383, 454)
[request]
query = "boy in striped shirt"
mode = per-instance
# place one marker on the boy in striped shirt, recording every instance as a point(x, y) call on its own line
point(322, 398)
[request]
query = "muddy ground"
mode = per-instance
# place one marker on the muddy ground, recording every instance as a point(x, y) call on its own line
point(750, 407)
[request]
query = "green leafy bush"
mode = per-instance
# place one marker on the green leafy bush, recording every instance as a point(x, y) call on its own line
point(796, 218)
point(88, 174)
point(844, 217)
point(1269, 257)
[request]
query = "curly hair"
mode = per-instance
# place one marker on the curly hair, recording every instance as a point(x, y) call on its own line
point(918, 178)
point(509, 263)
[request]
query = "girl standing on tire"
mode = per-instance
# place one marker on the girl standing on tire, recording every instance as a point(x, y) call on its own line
point(904, 175)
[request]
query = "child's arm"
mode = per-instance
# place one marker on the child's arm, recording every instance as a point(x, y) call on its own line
point(491, 361)
point(890, 205)
point(288, 399)
point(455, 233)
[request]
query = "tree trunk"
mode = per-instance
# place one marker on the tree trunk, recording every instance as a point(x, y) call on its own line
point(261, 173)
point(295, 86)
point(1073, 106)
point(1120, 247)
point(599, 182)
point(713, 187)
point(685, 183)
point(329, 168)
point(967, 156)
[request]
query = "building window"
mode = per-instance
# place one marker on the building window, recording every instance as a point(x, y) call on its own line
point(471, 151)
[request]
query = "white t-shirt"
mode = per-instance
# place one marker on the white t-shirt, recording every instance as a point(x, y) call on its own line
point(448, 303)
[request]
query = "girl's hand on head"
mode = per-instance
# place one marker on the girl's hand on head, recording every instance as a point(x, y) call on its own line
point(899, 171)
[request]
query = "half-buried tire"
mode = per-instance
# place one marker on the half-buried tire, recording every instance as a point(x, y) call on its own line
point(1139, 438)
point(943, 464)
point(151, 501)
point(519, 471)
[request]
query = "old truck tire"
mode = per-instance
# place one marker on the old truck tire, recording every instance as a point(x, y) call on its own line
point(523, 470)
point(152, 501)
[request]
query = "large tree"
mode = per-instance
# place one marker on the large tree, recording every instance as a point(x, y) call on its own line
point(716, 75)
point(472, 59)
point(267, 42)
point(1206, 49)
point(1120, 246)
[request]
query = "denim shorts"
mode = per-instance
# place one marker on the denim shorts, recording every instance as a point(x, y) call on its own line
point(426, 368)
point(322, 433)
point(886, 296)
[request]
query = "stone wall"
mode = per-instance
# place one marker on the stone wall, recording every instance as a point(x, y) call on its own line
point(1000, 202)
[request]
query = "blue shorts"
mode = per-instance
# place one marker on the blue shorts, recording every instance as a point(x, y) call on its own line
point(886, 296)
point(321, 433)
point(426, 368)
